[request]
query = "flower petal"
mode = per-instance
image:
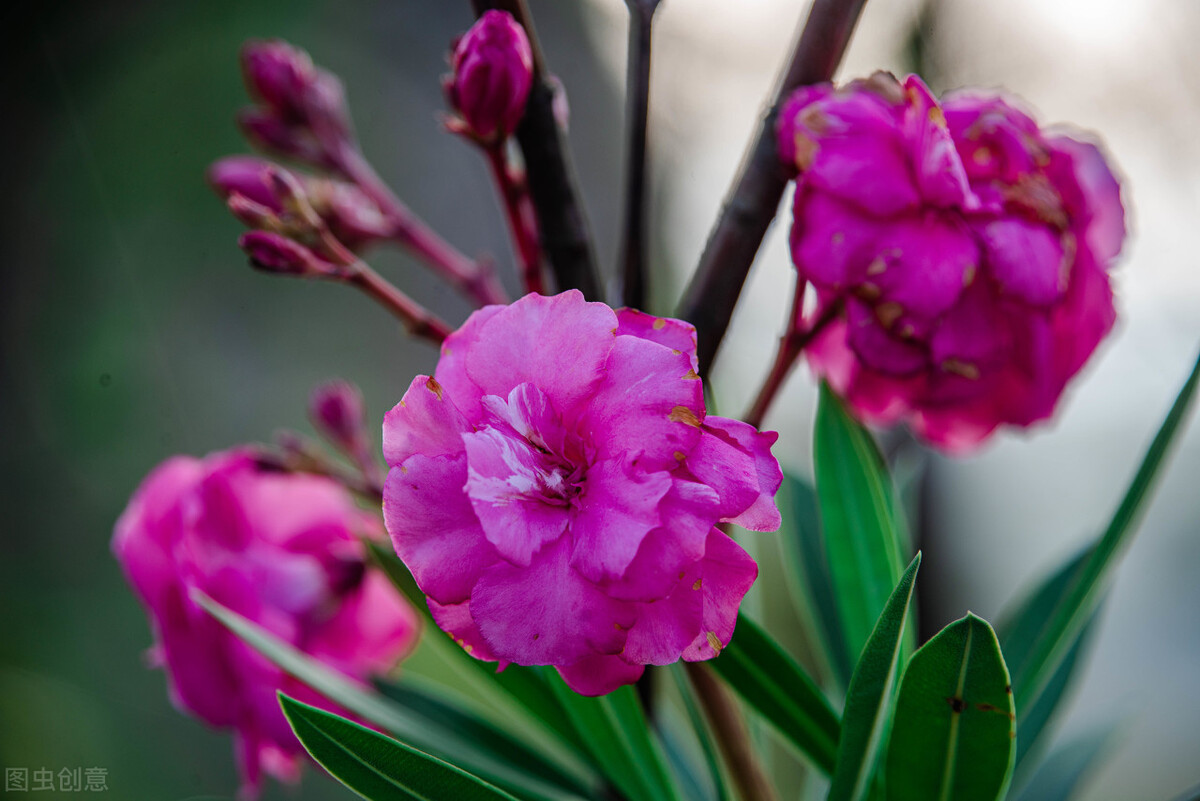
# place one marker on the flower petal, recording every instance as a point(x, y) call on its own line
point(433, 527)
point(674, 334)
point(425, 421)
point(560, 344)
point(832, 242)
point(600, 674)
point(456, 620)
point(735, 459)
point(615, 512)
point(648, 407)
point(1027, 259)
point(727, 573)
point(547, 614)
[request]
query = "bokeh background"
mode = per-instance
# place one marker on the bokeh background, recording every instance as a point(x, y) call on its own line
point(132, 329)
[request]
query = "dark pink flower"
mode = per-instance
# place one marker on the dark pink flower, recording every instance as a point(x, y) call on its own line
point(969, 249)
point(280, 549)
point(555, 488)
point(493, 72)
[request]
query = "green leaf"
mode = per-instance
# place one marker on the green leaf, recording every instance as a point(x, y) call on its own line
point(518, 691)
point(443, 712)
point(769, 680)
point(869, 698)
point(700, 727)
point(1062, 775)
point(1071, 614)
point(1018, 632)
point(615, 730)
point(427, 734)
point(806, 567)
point(377, 767)
point(858, 519)
point(954, 728)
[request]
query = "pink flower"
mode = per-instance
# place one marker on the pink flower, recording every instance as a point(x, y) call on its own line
point(555, 488)
point(281, 550)
point(969, 249)
point(493, 72)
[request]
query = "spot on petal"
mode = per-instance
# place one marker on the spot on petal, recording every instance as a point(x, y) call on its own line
point(713, 641)
point(433, 386)
point(660, 324)
point(691, 375)
point(682, 414)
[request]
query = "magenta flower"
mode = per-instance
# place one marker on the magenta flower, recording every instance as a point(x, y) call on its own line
point(968, 247)
point(555, 488)
point(280, 549)
point(493, 72)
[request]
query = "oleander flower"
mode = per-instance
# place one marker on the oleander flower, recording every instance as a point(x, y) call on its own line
point(968, 247)
point(493, 72)
point(556, 485)
point(283, 551)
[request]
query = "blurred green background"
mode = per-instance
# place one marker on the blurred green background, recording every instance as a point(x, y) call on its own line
point(132, 328)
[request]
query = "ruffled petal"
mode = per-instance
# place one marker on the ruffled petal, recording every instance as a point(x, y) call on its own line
point(456, 621)
point(433, 527)
point(600, 674)
point(832, 242)
point(939, 170)
point(615, 512)
point(921, 266)
point(560, 344)
point(451, 370)
point(425, 421)
point(735, 459)
point(1027, 259)
point(726, 575)
point(1091, 193)
point(547, 614)
point(648, 408)
point(667, 331)
point(688, 510)
point(878, 349)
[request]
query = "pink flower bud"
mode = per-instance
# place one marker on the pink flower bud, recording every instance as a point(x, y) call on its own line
point(337, 410)
point(493, 72)
point(246, 176)
point(275, 253)
point(280, 76)
point(281, 549)
point(969, 249)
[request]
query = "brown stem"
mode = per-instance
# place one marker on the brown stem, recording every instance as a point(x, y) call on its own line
point(418, 321)
point(729, 729)
point(475, 279)
point(524, 234)
point(633, 247)
point(754, 198)
point(562, 222)
point(791, 345)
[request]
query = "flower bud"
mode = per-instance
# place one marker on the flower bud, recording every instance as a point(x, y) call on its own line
point(279, 76)
point(274, 253)
point(337, 411)
point(493, 71)
point(245, 176)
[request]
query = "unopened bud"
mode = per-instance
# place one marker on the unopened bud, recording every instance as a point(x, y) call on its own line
point(493, 71)
point(253, 214)
point(274, 253)
point(245, 176)
point(337, 411)
point(279, 75)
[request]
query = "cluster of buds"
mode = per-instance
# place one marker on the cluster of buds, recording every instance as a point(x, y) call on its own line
point(492, 75)
point(301, 111)
point(302, 225)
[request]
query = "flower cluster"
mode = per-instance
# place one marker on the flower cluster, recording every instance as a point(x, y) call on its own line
point(968, 248)
point(283, 551)
point(555, 488)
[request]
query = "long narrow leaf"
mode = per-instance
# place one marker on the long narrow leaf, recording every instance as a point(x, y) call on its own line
point(954, 728)
point(377, 767)
point(1018, 633)
point(858, 519)
point(522, 692)
point(869, 698)
point(711, 756)
point(806, 568)
point(770, 681)
point(616, 731)
point(1063, 626)
point(425, 733)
